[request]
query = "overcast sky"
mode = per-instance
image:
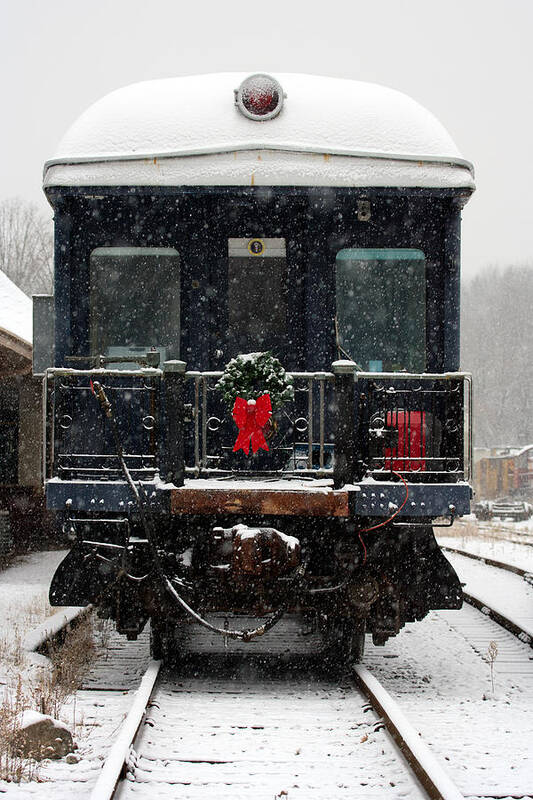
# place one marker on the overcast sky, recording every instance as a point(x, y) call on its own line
point(469, 61)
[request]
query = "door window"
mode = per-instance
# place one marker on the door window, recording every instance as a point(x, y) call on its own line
point(257, 295)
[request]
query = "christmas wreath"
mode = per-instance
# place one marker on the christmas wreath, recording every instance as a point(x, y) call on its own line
point(254, 374)
point(253, 386)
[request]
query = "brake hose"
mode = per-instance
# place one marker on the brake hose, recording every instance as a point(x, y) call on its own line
point(245, 635)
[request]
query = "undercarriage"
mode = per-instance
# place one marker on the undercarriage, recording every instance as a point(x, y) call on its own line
point(342, 581)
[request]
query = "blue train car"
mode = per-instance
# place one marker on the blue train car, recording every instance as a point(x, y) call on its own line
point(253, 397)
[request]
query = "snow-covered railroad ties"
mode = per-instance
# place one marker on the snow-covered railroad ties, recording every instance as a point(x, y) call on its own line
point(518, 622)
point(240, 726)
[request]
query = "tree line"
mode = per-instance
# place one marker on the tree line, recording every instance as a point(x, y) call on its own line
point(26, 246)
point(497, 347)
point(496, 324)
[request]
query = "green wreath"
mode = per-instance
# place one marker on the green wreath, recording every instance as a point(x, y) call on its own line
point(253, 374)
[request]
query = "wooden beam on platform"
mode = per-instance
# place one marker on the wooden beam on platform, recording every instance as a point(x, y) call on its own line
point(273, 502)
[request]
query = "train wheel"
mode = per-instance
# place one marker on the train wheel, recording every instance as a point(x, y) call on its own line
point(345, 642)
point(164, 643)
point(158, 640)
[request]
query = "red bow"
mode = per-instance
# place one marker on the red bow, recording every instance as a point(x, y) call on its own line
point(251, 417)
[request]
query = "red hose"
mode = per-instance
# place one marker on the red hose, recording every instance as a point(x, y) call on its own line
point(386, 522)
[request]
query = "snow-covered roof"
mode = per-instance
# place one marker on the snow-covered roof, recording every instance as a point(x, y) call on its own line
point(15, 310)
point(188, 131)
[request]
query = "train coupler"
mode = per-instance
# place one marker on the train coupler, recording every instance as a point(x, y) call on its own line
point(250, 553)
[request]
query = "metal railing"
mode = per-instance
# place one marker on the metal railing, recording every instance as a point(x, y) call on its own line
point(416, 424)
point(342, 424)
point(297, 439)
point(79, 441)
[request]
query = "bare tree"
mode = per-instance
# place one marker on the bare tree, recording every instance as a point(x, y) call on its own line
point(26, 246)
point(497, 347)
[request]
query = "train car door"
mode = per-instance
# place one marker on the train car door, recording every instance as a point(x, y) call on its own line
point(257, 296)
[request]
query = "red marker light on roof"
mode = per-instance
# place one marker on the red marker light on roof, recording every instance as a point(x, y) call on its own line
point(259, 97)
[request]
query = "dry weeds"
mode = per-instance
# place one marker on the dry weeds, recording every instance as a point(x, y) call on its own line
point(47, 691)
point(492, 653)
point(28, 616)
point(70, 662)
point(103, 629)
point(465, 530)
point(468, 529)
point(13, 767)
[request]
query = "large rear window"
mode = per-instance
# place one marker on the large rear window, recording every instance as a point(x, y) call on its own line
point(135, 301)
point(381, 308)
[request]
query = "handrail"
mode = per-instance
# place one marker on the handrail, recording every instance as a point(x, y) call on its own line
point(390, 393)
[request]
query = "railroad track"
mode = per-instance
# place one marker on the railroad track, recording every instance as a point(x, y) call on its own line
point(502, 618)
point(251, 727)
point(238, 730)
point(242, 728)
point(235, 710)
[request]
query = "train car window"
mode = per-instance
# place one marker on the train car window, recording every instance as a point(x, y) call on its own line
point(381, 308)
point(257, 295)
point(134, 302)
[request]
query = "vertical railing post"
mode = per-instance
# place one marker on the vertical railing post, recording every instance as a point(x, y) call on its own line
point(345, 466)
point(453, 444)
point(172, 466)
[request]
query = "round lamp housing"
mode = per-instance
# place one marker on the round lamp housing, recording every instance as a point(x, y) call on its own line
point(259, 97)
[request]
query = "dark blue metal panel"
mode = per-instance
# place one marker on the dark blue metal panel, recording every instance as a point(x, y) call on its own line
point(452, 293)
point(367, 499)
point(316, 223)
point(62, 256)
point(102, 497)
point(374, 499)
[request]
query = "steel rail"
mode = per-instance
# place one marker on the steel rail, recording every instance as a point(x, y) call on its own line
point(490, 561)
point(433, 779)
point(525, 636)
point(500, 618)
point(430, 774)
point(114, 765)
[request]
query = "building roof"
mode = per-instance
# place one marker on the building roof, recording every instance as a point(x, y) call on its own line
point(15, 310)
point(15, 327)
point(188, 131)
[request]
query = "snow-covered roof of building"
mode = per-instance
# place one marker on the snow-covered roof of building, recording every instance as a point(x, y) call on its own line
point(188, 131)
point(15, 310)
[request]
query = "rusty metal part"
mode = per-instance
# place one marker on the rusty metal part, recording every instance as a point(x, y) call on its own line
point(263, 552)
point(252, 501)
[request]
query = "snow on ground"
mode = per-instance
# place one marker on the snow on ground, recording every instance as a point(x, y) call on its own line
point(443, 686)
point(508, 542)
point(93, 718)
point(24, 604)
point(504, 592)
point(436, 669)
point(440, 672)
